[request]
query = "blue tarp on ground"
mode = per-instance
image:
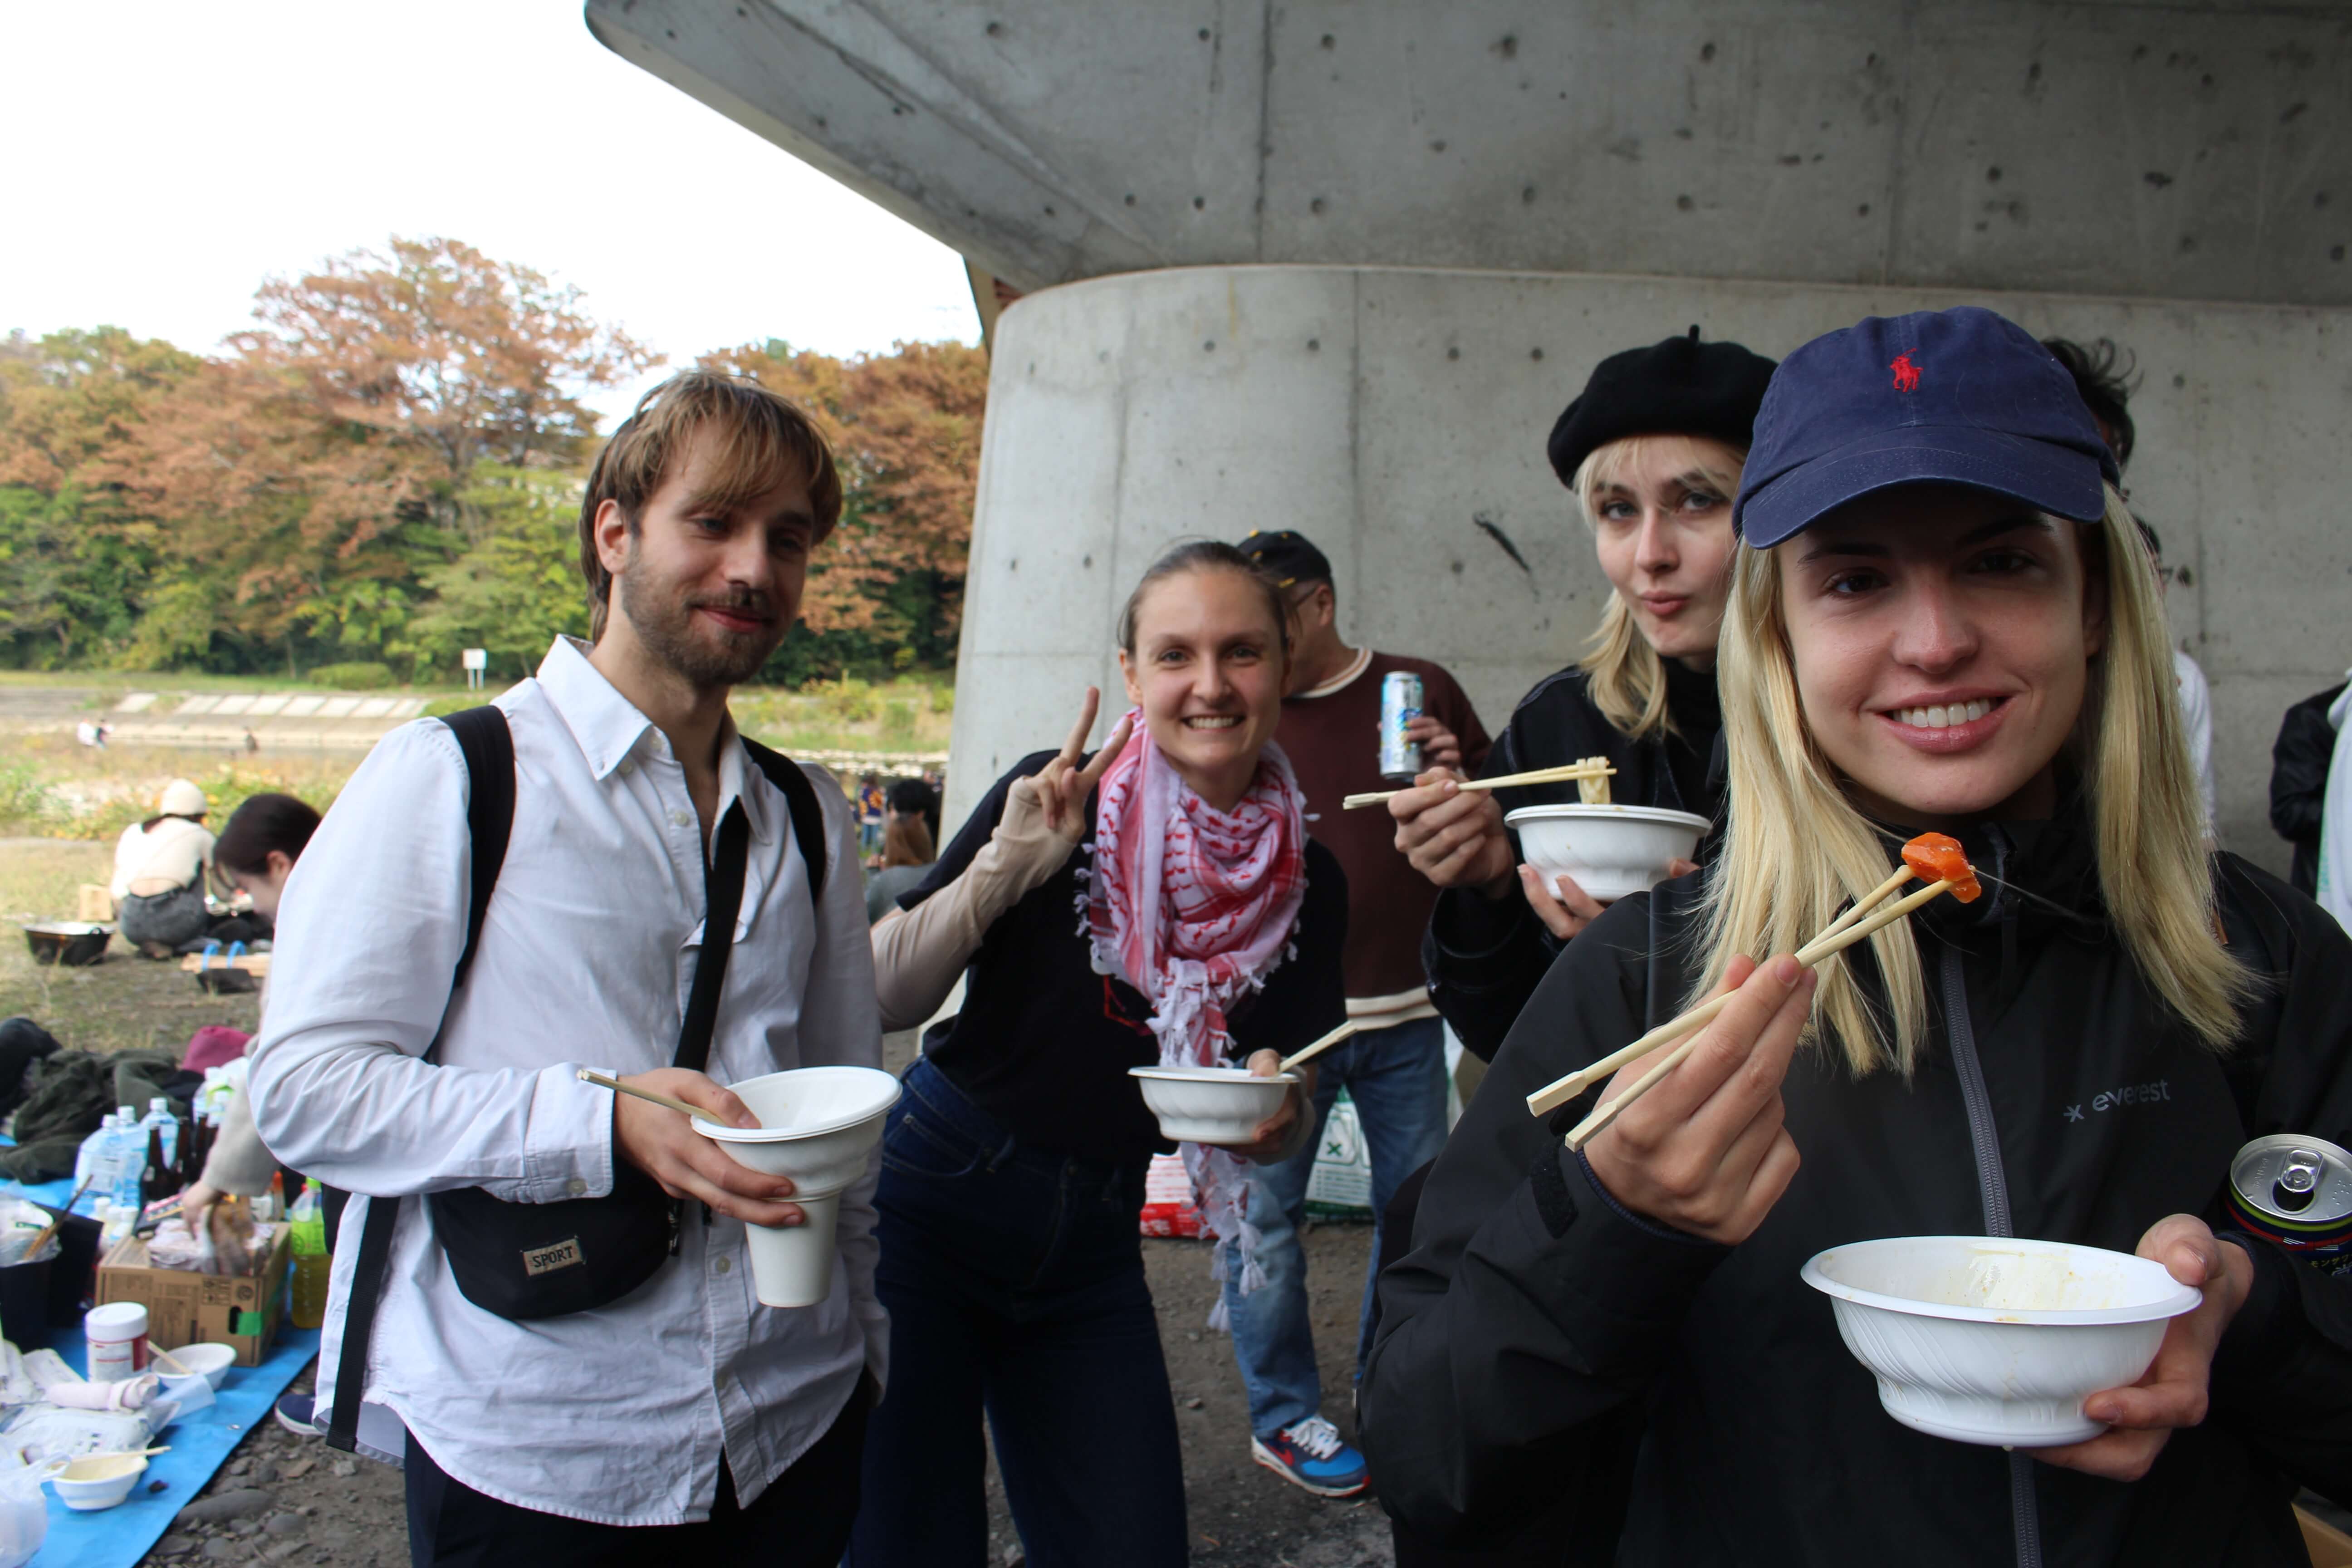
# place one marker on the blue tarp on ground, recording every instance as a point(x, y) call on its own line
point(200, 1443)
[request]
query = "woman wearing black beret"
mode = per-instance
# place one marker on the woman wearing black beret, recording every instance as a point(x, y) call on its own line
point(1652, 449)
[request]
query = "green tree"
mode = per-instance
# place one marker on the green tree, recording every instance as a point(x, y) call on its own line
point(517, 589)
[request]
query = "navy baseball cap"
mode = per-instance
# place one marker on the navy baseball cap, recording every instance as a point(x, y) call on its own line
point(1958, 397)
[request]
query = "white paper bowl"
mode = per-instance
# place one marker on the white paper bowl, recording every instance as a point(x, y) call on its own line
point(1210, 1105)
point(209, 1362)
point(1611, 851)
point(1984, 1340)
point(818, 1126)
point(101, 1481)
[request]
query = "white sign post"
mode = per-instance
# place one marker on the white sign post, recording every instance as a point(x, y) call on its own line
point(476, 661)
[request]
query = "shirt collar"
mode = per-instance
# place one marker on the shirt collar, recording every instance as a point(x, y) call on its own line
point(610, 729)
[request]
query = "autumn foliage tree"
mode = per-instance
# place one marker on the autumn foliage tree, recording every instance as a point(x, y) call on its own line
point(905, 428)
point(387, 468)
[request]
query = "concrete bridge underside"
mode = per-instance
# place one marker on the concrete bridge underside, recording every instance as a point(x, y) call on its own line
point(1336, 266)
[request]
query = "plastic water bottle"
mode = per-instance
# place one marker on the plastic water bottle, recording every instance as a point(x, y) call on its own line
point(91, 1169)
point(159, 1116)
point(311, 1264)
point(130, 1161)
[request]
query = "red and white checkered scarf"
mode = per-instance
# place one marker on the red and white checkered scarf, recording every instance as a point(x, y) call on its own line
point(1194, 908)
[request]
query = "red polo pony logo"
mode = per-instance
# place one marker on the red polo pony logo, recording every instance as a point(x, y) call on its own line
point(1906, 374)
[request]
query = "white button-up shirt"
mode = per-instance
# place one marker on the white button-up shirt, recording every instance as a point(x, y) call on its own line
point(586, 957)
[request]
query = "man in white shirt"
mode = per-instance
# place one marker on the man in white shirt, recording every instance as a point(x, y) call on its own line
point(683, 1422)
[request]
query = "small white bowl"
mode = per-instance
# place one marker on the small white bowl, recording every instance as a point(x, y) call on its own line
point(210, 1363)
point(1988, 1340)
point(101, 1480)
point(1210, 1105)
point(1611, 851)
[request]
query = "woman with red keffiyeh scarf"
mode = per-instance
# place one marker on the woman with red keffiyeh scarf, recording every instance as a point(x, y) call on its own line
point(1157, 902)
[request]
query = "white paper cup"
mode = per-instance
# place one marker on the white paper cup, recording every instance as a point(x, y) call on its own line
point(792, 1265)
point(818, 1126)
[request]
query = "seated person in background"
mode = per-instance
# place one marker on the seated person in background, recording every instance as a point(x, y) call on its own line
point(2299, 759)
point(906, 851)
point(159, 871)
point(256, 852)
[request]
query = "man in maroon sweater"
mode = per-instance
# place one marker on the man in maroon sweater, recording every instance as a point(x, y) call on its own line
point(1394, 1067)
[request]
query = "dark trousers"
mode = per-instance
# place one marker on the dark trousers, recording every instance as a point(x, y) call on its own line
point(1014, 1280)
point(800, 1521)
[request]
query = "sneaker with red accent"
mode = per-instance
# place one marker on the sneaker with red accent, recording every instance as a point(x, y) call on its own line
point(1310, 1454)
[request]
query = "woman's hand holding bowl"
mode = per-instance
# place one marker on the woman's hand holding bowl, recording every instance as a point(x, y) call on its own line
point(1265, 1146)
point(2174, 1390)
point(1706, 1152)
point(1566, 916)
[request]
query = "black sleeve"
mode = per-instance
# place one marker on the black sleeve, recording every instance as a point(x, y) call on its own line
point(1517, 1337)
point(2299, 760)
point(2282, 1378)
point(1486, 956)
point(975, 832)
point(1313, 1001)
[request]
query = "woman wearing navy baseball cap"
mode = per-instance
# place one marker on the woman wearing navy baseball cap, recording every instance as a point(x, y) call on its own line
point(1943, 619)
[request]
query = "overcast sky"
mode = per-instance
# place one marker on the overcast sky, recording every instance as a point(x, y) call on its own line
point(164, 157)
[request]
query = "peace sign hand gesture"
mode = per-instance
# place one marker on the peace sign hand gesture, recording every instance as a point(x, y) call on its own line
point(1057, 792)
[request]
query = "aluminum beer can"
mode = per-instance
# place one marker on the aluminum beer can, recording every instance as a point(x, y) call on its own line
point(1400, 706)
point(2296, 1191)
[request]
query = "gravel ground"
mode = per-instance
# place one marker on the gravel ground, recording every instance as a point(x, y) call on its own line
point(288, 1499)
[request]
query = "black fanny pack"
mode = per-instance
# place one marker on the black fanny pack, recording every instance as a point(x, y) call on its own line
point(541, 1260)
point(524, 1261)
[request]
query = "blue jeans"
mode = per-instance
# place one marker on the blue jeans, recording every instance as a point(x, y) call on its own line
point(1013, 1276)
point(1396, 1077)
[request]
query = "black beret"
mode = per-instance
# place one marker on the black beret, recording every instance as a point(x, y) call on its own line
point(1679, 387)
point(1288, 556)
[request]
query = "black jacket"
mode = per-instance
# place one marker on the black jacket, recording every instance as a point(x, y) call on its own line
point(1484, 957)
point(2299, 759)
point(1539, 1333)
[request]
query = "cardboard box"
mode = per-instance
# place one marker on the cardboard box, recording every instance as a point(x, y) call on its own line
point(186, 1308)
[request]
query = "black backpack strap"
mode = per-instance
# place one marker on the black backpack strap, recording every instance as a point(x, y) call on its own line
point(808, 816)
point(488, 747)
point(722, 899)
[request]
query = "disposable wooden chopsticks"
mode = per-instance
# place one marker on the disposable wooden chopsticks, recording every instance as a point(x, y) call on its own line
point(617, 1087)
point(1313, 1049)
point(1821, 947)
point(1539, 776)
point(1931, 856)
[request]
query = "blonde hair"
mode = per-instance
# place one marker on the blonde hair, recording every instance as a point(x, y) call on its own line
point(1795, 849)
point(1628, 678)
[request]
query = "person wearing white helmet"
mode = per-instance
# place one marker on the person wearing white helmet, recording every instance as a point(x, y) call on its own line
point(159, 872)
